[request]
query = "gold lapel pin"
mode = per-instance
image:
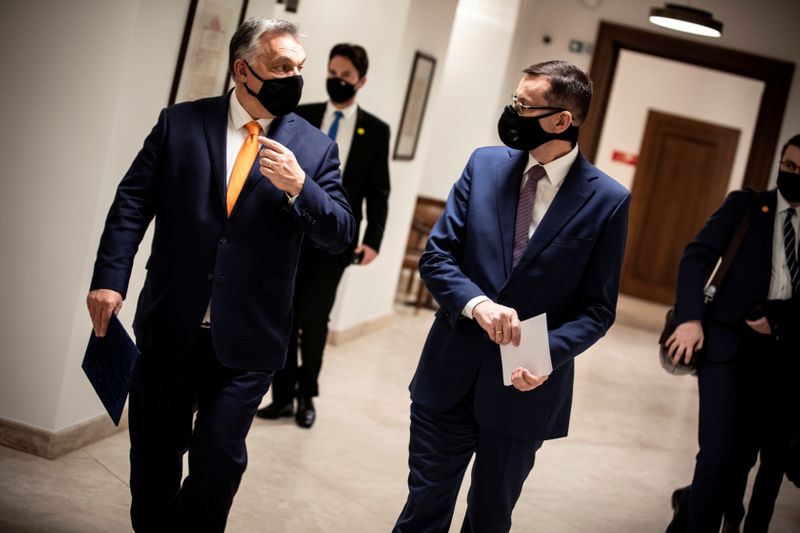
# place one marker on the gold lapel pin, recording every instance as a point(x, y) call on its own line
point(765, 209)
point(360, 131)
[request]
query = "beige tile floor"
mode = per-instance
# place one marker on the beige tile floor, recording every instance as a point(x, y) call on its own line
point(632, 441)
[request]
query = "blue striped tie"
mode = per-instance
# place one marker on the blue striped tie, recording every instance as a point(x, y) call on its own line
point(790, 245)
point(334, 129)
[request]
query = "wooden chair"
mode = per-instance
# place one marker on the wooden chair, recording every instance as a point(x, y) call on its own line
point(426, 213)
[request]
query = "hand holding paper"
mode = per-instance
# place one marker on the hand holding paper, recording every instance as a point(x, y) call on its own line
point(532, 355)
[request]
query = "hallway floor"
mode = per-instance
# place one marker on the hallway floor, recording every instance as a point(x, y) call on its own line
point(632, 441)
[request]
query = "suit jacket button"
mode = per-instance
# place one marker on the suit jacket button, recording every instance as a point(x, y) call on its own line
point(210, 277)
point(223, 241)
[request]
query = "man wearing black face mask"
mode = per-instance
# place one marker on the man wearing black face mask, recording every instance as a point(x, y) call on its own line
point(363, 141)
point(529, 228)
point(748, 374)
point(235, 183)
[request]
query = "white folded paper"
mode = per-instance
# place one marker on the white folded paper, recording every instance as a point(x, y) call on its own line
point(533, 351)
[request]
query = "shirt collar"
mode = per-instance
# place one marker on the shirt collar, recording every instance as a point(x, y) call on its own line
point(557, 169)
point(347, 112)
point(239, 117)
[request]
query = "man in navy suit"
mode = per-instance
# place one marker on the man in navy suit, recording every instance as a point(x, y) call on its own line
point(749, 333)
point(529, 229)
point(363, 141)
point(215, 313)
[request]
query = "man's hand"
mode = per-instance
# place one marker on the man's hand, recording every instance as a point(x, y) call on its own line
point(684, 341)
point(102, 303)
point(524, 381)
point(369, 254)
point(761, 325)
point(280, 167)
point(498, 321)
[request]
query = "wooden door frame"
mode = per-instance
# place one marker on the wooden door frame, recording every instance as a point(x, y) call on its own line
point(776, 75)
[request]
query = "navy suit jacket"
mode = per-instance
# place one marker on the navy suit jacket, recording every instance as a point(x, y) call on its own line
point(366, 174)
point(244, 265)
point(746, 283)
point(570, 270)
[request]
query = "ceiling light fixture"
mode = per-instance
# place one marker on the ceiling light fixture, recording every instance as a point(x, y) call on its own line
point(686, 19)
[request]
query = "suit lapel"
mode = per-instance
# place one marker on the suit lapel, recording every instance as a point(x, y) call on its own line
point(575, 191)
point(764, 220)
point(359, 141)
point(508, 180)
point(215, 124)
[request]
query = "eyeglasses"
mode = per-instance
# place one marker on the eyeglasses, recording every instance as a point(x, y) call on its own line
point(791, 166)
point(522, 108)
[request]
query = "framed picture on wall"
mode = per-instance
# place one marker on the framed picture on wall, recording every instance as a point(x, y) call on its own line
point(202, 68)
point(419, 86)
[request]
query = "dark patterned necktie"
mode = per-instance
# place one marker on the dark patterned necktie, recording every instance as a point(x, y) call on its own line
point(790, 245)
point(525, 211)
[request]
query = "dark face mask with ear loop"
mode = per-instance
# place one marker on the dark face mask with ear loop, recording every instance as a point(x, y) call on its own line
point(789, 186)
point(279, 96)
point(526, 133)
point(339, 90)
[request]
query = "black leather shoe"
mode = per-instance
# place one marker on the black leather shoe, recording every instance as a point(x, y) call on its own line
point(276, 410)
point(305, 414)
point(680, 514)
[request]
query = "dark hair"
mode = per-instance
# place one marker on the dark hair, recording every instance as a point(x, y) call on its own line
point(794, 141)
point(356, 54)
point(570, 87)
point(246, 41)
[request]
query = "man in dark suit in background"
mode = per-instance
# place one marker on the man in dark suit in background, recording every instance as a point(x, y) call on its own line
point(214, 316)
point(529, 229)
point(747, 376)
point(363, 141)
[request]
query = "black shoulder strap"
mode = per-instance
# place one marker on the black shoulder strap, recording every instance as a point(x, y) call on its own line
point(730, 253)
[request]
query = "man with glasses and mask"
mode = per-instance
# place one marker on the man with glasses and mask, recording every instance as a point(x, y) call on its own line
point(363, 141)
point(529, 228)
point(234, 183)
point(747, 376)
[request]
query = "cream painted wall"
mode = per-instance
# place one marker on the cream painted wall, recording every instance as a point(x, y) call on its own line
point(482, 38)
point(644, 82)
point(390, 32)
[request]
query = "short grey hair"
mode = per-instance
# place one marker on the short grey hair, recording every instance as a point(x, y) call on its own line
point(246, 41)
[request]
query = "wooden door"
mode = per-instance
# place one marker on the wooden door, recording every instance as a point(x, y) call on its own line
point(681, 178)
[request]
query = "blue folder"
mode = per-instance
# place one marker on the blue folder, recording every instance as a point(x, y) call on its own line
point(109, 364)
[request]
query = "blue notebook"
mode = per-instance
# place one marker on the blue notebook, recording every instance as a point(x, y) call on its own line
point(109, 363)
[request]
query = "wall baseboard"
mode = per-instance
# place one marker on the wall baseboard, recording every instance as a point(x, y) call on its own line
point(337, 337)
point(52, 444)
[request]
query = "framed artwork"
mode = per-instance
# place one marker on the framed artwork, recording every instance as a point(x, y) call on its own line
point(419, 86)
point(202, 68)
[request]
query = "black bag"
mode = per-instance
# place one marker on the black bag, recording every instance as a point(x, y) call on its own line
point(710, 290)
point(681, 368)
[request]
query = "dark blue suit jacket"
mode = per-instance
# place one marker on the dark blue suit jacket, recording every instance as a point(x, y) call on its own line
point(244, 265)
point(746, 283)
point(570, 269)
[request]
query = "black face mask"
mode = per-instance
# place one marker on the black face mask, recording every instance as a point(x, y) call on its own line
point(526, 133)
point(279, 96)
point(789, 185)
point(339, 90)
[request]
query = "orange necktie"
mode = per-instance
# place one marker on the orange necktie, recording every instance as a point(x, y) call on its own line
point(243, 164)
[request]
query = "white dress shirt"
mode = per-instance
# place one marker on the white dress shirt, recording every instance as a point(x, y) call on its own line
point(780, 283)
point(236, 135)
point(347, 126)
point(546, 190)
